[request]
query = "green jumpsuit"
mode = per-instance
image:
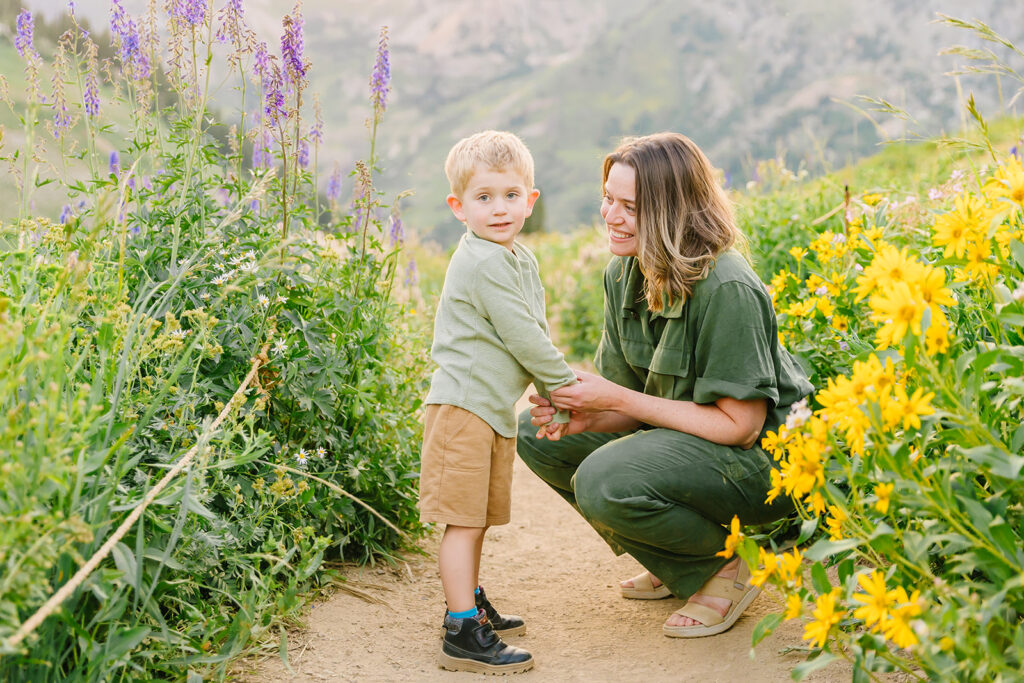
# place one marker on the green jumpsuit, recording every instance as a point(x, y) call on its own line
point(662, 495)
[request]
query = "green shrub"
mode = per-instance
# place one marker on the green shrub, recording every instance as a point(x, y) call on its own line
point(126, 327)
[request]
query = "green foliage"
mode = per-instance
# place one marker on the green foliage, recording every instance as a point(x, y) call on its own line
point(126, 328)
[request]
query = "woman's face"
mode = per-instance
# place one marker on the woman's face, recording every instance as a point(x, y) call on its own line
point(618, 209)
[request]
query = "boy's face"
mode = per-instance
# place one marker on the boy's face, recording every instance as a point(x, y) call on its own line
point(495, 204)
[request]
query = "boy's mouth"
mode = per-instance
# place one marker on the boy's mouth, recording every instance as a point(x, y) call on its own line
point(501, 226)
point(619, 235)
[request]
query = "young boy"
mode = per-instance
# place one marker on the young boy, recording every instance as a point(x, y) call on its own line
point(490, 341)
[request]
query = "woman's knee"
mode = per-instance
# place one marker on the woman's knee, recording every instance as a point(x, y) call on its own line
point(601, 491)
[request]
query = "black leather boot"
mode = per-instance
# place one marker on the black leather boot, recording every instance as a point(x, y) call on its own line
point(508, 625)
point(471, 644)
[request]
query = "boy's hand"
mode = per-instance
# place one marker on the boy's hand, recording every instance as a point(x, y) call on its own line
point(541, 417)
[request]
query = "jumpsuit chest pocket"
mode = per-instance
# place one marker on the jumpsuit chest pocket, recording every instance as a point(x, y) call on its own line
point(668, 369)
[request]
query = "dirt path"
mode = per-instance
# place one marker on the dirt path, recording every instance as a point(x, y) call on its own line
point(551, 568)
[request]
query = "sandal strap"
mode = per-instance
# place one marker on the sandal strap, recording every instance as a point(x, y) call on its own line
point(721, 587)
point(644, 583)
point(698, 612)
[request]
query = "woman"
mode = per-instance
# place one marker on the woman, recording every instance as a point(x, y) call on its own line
point(663, 447)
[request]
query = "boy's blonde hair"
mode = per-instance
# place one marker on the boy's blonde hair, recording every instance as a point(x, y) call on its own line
point(496, 149)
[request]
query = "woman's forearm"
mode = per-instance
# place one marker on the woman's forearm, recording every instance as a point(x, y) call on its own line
point(611, 421)
point(728, 421)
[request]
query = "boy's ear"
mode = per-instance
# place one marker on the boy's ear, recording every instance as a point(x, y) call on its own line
point(455, 204)
point(531, 199)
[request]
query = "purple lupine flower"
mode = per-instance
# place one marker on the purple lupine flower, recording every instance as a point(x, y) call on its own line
point(303, 154)
point(23, 41)
point(66, 214)
point(334, 184)
point(411, 275)
point(71, 7)
point(380, 79)
point(115, 163)
point(295, 65)
point(61, 115)
point(262, 62)
point(91, 93)
point(232, 17)
point(191, 12)
point(396, 233)
point(1013, 151)
point(127, 40)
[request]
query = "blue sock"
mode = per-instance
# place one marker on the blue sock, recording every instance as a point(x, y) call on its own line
point(468, 614)
point(476, 591)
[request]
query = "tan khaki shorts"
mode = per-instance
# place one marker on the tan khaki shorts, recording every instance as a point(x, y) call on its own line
point(465, 469)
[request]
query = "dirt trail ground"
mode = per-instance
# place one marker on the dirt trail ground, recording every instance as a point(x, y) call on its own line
point(549, 567)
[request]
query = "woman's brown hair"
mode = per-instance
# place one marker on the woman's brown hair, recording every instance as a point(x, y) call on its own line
point(684, 219)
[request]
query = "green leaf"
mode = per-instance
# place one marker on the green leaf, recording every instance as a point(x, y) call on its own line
point(1017, 442)
point(845, 570)
point(764, 628)
point(1017, 249)
point(124, 559)
point(800, 671)
point(827, 547)
point(819, 577)
point(998, 461)
point(283, 650)
point(807, 530)
point(124, 641)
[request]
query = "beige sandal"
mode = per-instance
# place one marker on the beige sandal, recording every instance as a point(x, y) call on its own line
point(644, 589)
point(738, 590)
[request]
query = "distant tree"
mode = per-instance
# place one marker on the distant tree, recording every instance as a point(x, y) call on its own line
point(535, 222)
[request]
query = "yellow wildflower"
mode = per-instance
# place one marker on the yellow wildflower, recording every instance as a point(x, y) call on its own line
point(875, 599)
point(789, 568)
point(769, 564)
point(825, 617)
point(773, 443)
point(883, 492)
point(800, 309)
point(1007, 184)
point(835, 522)
point(817, 503)
point(732, 540)
point(912, 408)
point(872, 199)
point(897, 627)
point(936, 337)
point(824, 306)
point(794, 606)
point(798, 253)
point(961, 226)
point(980, 266)
point(899, 310)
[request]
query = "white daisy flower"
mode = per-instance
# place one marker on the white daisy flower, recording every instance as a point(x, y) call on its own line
point(302, 457)
point(321, 452)
point(263, 300)
point(280, 346)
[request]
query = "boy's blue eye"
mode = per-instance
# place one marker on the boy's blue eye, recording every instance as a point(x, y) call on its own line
point(511, 195)
point(483, 197)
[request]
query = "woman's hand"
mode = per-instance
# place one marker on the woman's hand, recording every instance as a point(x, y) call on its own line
point(541, 414)
point(592, 394)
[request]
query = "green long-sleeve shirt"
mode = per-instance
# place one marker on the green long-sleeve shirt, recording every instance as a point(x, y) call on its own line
point(490, 334)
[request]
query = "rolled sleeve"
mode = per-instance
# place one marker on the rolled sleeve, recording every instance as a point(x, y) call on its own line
point(734, 347)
